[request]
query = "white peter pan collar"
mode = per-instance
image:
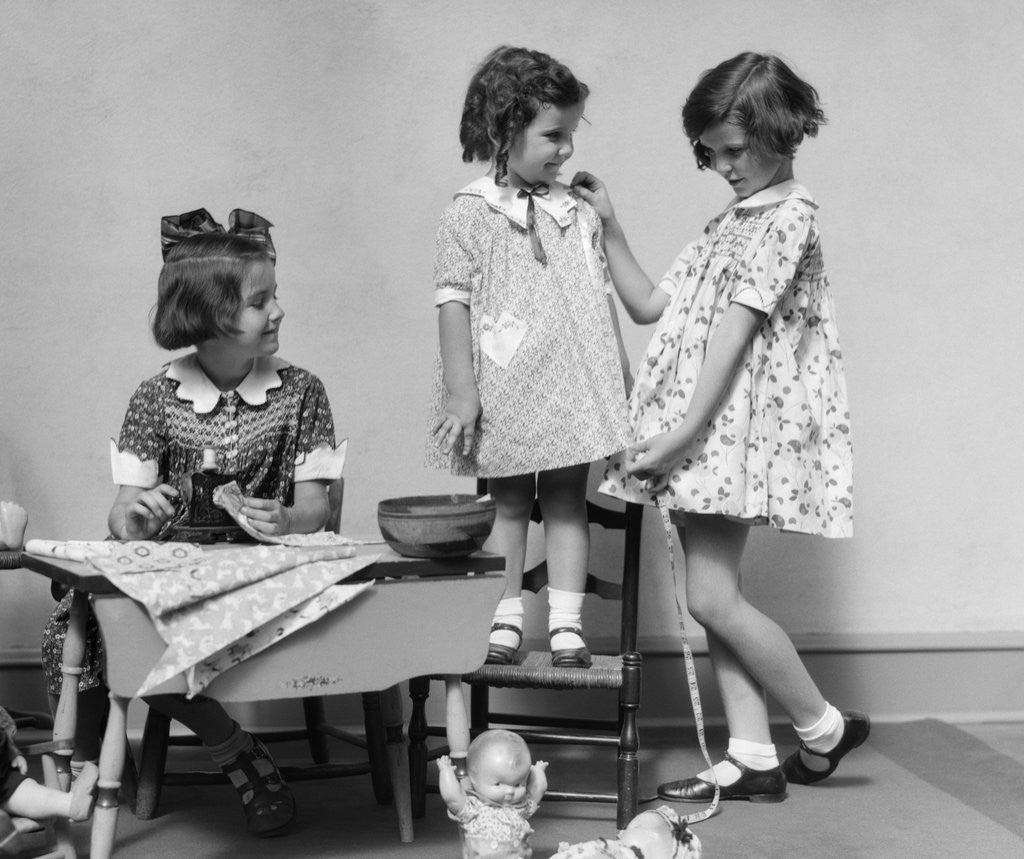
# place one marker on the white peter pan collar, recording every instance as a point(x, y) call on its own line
point(775, 194)
point(558, 202)
point(194, 385)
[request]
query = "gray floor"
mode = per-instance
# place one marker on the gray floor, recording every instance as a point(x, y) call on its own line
point(917, 789)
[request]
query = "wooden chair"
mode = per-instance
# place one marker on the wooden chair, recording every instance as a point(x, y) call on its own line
point(620, 671)
point(380, 719)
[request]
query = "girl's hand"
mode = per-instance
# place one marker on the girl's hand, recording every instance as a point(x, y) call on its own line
point(20, 764)
point(461, 415)
point(594, 191)
point(148, 512)
point(267, 516)
point(653, 460)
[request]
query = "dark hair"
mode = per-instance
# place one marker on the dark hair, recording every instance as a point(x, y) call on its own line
point(200, 288)
point(758, 93)
point(508, 90)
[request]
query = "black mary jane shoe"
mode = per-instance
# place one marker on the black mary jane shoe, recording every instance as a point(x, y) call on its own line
point(856, 727)
point(570, 657)
point(502, 654)
point(752, 786)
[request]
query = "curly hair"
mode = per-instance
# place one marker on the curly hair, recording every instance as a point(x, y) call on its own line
point(199, 292)
point(758, 93)
point(508, 90)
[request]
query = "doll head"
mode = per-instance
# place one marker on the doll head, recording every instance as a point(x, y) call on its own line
point(758, 94)
point(201, 287)
point(660, 834)
point(498, 764)
point(507, 92)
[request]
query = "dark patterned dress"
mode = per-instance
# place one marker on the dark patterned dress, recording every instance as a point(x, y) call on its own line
point(777, 451)
point(274, 430)
point(545, 355)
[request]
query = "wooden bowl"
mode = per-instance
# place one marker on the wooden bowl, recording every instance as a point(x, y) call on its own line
point(435, 526)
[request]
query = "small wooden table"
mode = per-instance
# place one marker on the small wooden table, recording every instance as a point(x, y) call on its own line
point(420, 617)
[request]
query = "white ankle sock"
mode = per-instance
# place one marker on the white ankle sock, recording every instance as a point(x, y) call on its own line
point(224, 753)
point(565, 609)
point(510, 611)
point(825, 734)
point(755, 756)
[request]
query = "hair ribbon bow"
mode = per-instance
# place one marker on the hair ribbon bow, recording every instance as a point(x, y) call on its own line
point(249, 225)
point(539, 190)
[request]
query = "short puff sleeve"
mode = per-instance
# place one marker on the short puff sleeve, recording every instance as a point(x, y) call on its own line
point(765, 279)
point(455, 266)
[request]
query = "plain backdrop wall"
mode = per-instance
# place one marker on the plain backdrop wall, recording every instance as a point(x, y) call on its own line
point(338, 121)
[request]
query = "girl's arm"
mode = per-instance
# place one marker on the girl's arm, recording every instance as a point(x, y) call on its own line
point(657, 456)
point(627, 377)
point(308, 513)
point(463, 407)
point(138, 513)
point(642, 300)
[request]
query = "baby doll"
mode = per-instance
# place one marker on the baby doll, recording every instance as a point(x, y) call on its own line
point(21, 796)
point(657, 834)
point(499, 793)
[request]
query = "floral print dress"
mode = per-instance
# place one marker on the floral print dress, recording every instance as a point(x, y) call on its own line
point(545, 353)
point(777, 450)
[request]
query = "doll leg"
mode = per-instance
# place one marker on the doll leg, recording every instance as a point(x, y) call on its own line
point(513, 498)
point(37, 802)
point(563, 501)
point(266, 800)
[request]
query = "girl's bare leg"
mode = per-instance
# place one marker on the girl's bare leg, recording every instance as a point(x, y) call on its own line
point(761, 652)
point(513, 497)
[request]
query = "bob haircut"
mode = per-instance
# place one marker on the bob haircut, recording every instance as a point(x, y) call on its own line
point(508, 90)
point(758, 93)
point(199, 292)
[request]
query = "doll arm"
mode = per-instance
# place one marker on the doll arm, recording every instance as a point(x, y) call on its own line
point(643, 302)
point(725, 352)
point(449, 786)
point(308, 513)
point(463, 407)
point(537, 782)
point(139, 513)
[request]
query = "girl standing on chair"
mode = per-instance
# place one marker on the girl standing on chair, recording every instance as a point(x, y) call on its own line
point(529, 386)
point(740, 411)
point(271, 425)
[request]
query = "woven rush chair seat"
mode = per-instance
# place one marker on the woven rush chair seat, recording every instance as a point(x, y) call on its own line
point(532, 669)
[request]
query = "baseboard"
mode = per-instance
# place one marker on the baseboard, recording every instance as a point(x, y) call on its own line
point(958, 677)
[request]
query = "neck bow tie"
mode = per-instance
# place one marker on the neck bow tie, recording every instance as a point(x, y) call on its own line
point(540, 190)
point(249, 225)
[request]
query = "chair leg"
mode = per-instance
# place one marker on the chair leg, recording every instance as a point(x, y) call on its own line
point(313, 711)
point(376, 749)
point(629, 740)
point(419, 691)
point(152, 761)
point(398, 759)
point(479, 709)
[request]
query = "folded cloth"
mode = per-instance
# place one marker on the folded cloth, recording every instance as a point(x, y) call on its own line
point(201, 675)
point(193, 578)
point(214, 609)
point(138, 555)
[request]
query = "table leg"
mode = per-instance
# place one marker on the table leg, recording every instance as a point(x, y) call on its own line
point(65, 720)
point(398, 760)
point(112, 757)
point(456, 723)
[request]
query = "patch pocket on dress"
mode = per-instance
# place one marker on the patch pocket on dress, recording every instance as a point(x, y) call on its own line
point(500, 340)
